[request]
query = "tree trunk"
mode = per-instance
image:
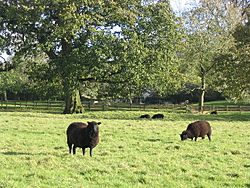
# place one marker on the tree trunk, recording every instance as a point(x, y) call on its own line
point(73, 102)
point(202, 94)
point(5, 97)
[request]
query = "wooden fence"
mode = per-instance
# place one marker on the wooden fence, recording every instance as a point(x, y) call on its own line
point(102, 106)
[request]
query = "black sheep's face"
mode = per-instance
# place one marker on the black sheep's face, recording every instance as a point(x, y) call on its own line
point(184, 135)
point(93, 127)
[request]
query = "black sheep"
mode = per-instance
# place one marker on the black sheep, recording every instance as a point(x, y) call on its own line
point(83, 136)
point(147, 116)
point(158, 116)
point(197, 129)
point(214, 112)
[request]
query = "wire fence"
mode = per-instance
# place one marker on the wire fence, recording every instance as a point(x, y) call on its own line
point(58, 106)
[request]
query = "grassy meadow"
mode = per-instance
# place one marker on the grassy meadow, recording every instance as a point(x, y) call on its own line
point(131, 153)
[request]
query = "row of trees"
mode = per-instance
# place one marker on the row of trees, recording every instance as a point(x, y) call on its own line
point(123, 48)
point(214, 52)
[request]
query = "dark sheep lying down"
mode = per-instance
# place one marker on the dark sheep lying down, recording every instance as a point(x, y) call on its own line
point(158, 116)
point(197, 129)
point(83, 135)
point(214, 112)
point(147, 116)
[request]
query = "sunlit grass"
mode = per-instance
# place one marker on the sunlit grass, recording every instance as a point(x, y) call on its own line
point(132, 152)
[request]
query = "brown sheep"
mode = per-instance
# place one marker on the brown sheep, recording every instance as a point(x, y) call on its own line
point(197, 129)
point(83, 136)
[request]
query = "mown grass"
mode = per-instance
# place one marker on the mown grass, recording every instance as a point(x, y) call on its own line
point(132, 152)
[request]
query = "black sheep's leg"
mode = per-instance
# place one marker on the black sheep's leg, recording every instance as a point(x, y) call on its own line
point(83, 151)
point(90, 152)
point(195, 139)
point(74, 150)
point(209, 137)
point(203, 137)
point(70, 147)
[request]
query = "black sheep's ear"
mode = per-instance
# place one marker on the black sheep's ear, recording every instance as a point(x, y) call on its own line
point(98, 123)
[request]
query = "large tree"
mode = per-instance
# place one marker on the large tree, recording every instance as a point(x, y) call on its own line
point(115, 42)
point(233, 66)
point(208, 27)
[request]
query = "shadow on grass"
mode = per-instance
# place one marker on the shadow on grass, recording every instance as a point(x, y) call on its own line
point(134, 115)
point(63, 152)
point(16, 153)
point(225, 116)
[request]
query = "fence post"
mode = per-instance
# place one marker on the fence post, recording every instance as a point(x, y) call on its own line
point(89, 106)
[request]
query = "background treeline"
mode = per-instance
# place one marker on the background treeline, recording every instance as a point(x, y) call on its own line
point(188, 94)
point(105, 50)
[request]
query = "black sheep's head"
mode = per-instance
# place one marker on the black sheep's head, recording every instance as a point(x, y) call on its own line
point(184, 135)
point(93, 127)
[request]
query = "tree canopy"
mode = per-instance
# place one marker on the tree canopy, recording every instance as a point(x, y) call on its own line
point(209, 28)
point(132, 44)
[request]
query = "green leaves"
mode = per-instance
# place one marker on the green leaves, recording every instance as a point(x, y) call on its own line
point(81, 44)
point(233, 77)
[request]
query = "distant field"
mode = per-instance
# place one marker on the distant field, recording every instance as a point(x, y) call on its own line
point(132, 152)
point(225, 102)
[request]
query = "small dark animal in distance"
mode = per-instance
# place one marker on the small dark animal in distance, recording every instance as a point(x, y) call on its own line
point(147, 116)
point(83, 135)
point(197, 129)
point(214, 112)
point(158, 116)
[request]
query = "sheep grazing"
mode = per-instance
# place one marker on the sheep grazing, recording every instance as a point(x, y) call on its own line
point(158, 116)
point(214, 112)
point(197, 129)
point(147, 116)
point(82, 135)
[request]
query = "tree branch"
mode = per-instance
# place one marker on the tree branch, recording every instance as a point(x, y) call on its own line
point(3, 58)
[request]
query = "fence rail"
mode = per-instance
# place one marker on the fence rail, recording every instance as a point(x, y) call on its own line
point(90, 106)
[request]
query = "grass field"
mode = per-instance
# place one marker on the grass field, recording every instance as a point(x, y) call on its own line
point(131, 152)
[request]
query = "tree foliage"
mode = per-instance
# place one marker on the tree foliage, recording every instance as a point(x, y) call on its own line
point(209, 28)
point(128, 43)
point(234, 66)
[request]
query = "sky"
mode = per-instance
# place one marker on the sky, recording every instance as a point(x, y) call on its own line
point(180, 5)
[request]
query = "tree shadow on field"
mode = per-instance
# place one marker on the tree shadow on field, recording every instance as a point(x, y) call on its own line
point(60, 153)
point(16, 153)
point(223, 116)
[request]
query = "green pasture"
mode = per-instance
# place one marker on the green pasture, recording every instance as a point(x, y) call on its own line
point(132, 152)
